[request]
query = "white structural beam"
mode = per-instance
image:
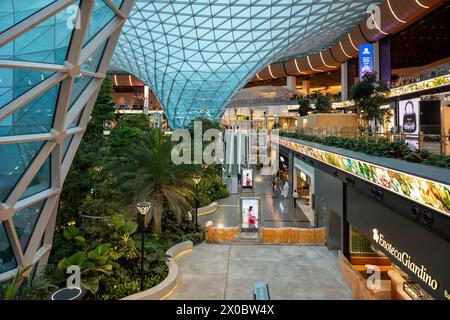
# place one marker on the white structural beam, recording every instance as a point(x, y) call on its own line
point(38, 249)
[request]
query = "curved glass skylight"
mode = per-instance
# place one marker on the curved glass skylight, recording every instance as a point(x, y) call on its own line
point(196, 55)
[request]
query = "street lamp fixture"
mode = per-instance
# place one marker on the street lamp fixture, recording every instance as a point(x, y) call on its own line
point(143, 208)
point(196, 178)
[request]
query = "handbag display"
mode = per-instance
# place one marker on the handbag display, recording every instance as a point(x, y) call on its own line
point(409, 119)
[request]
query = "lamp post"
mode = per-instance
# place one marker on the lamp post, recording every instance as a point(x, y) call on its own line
point(196, 179)
point(143, 208)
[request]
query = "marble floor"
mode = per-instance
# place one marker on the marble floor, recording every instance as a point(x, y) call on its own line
point(227, 272)
point(277, 212)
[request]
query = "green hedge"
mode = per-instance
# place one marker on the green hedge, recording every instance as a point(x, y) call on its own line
point(381, 148)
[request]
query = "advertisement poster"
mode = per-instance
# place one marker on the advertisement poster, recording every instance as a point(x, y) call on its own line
point(429, 193)
point(247, 178)
point(250, 214)
point(366, 61)
point(409, 117)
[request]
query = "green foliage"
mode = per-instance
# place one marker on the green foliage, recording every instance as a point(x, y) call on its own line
point(85, 174)
point(129, 130)
point(304, 106)
point(147, 170)
point(21, 288)
point(211, 188)
point(10, 293)
point(381, 148)
point(93, 265)
point(206, 125)
point(323, 103)
point(369, 95)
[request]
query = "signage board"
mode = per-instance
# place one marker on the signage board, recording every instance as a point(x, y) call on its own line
point(247, 178)
point(250, 214)
point(432, 194)
point(366, 59)
point(415, 249)
point(409, 121)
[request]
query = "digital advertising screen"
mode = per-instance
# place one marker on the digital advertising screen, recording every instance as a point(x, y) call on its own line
point(366, 61)
point(409, 119)
point(249, 214)
point(247, 178)
point(409, 115)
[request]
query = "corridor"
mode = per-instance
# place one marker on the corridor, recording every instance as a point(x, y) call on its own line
point(277, 212)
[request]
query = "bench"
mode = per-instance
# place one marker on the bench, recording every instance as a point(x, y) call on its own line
point(260, 290)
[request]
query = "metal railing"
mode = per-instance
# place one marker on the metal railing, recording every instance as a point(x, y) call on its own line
point(435, 143)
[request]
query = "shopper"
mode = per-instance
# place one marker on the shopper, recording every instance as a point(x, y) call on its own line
point(286, 189)
point(295, 197)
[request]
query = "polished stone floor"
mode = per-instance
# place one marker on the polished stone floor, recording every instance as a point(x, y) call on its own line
point(277, 212)
point(226, 272)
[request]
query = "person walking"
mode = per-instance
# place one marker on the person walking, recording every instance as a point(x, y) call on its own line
point(295, 197)
point(286, 189)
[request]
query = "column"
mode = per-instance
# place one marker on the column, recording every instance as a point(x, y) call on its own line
point(306, 86)
point(385, 60)
point(146, 99)
point(344, 81)
point(376, 59)
point(291, 83)
point(345, 226)
point(291, 173)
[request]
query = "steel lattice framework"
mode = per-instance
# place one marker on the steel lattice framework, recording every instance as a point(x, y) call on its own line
point(196, 55)
point(53, 58)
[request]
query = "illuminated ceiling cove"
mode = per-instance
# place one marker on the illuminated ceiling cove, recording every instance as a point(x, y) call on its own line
point(196, 55)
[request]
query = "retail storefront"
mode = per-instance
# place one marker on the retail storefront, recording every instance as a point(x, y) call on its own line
point(304, 183)
point(419, 257)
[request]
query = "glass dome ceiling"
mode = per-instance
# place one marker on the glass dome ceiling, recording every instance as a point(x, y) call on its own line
point(196, 55)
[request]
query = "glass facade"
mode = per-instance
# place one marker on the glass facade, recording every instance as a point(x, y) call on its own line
point(33, 99)
point(16, 157)
point(13, 12)
point(7, 259)
point(196, 56)
point(41, 181)
point(25, 220)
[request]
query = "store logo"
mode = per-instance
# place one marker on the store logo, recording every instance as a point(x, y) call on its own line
point(405, 259)
point(376, 236)
point(366, 51)
point(447, 295)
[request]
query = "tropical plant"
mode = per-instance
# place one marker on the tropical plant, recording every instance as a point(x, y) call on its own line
point(11, 290)
point(147, 170)
point(22, 288)
point(304, 106)
point(323, 103)
point(380, 147)
point(368, 96)
point(85, 173)
point(93, 265)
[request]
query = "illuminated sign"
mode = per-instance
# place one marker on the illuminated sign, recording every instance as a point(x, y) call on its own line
point(422, 85)
point(432, 194)
point(405, 259)
point(366, 61)
point(250, 214)
point(345, 104)
point(247, 178)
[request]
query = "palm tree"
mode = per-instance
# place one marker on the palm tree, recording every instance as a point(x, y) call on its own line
point(146, 169)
